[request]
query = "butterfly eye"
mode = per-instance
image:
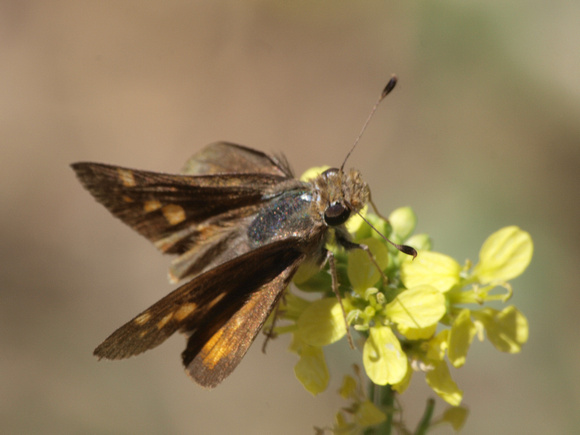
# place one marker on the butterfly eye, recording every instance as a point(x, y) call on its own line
point(331, 172)
point(336, 214)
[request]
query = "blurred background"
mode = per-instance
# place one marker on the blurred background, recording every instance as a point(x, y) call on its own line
point(483, 131)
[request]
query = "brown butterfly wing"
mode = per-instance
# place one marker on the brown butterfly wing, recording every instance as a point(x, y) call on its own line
point(171, 210)
point(223, 310)
point(226, 157)
point(213, 353)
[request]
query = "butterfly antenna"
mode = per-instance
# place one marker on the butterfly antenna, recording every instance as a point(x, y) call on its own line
point(386, 91)
point(405, 249)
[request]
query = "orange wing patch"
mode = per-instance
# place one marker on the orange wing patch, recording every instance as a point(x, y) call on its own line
point(212, 353)
point(221, 345)
point(149, 206)
point(174, 214)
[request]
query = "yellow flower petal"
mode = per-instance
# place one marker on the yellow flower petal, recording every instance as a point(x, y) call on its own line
point(417, 333)
point(418, 307)
point(456, 417)
point(504, 255)
point(384, 360)
point(362, 273)
point(311, 369)
point(381, 225)
point(357, 226)
point(342, 424)
point(437, 346)
point(433, 268)
point(402, 385)
point(313, 172)
point(306, 271)
point(348, 387)
point(439, 379)
point(421, 242)
point(507, 329)
point(367, 414)
point(403, 221)
point(293, 305)
point(460, 337)
point(322, 323)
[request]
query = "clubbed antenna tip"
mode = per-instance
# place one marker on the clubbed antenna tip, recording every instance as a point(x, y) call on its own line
point(390, 86)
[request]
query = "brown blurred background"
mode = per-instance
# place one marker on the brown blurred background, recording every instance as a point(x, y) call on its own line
point(483, 131)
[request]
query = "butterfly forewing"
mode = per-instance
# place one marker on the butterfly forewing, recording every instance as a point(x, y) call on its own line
point(159, 204)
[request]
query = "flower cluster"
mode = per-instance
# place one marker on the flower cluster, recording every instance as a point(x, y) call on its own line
point(411, 314)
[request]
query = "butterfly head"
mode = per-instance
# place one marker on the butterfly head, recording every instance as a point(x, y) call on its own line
point(340, 194)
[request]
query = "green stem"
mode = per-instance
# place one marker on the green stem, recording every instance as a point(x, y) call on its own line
point(384, 398)
point(387, 400)
point(426, 419)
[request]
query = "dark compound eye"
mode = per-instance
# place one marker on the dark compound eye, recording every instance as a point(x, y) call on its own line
point(336, 214)
point(330, 172)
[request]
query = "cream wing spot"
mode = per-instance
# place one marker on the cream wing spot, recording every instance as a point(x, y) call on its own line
point(126, 177)
point(143, 318)
point(185, 311)
point(174, 214)
point(149, 206)
point(164, 321)
point(215, 300)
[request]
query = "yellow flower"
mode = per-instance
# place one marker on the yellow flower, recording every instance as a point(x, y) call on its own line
point(456, 416)
point(417, 308)
point(437, 270)
point(311, 368)
point(367, 414)
point(439, 379)
point(383, 359)
point(412, 314)
point(403, 221)
point(321, 323)
point(360, 414)
point(507, 329)
point(362, 273)
point(504, 255)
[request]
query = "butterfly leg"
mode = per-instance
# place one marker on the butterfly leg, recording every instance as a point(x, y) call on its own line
point(348, 245)
point(334, 277)
point(270, 334)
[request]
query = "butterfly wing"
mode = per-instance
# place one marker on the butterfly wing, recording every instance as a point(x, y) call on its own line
point(197, 217)
point(223, 310)
point(157, 205)
point(212, 354)
point(226, 157)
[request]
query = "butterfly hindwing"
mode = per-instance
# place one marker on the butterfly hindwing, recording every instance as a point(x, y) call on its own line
point(226, 157)
point(210, 361)
point(248, 284)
